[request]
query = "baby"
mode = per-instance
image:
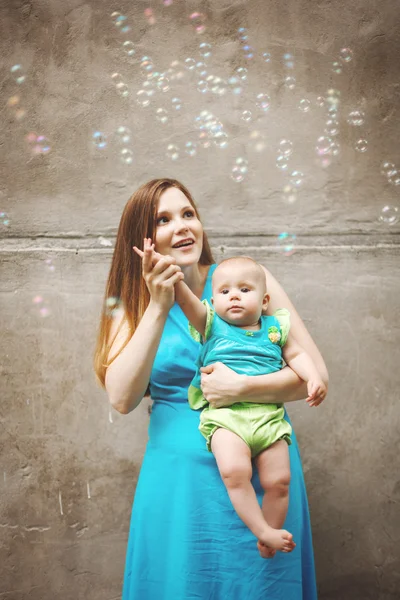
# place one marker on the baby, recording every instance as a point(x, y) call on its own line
point(236, 332)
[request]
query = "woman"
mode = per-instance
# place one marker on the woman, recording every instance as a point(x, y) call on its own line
point(186, 541)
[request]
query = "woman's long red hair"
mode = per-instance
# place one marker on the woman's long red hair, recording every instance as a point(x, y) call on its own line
point(125, 283)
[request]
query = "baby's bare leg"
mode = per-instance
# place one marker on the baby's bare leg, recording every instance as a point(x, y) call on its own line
point(233, 458)
point(274, 472)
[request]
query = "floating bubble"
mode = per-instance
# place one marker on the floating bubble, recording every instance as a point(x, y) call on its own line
point(129, 48)
point(176, 103)
point(42, 145)
point(126, 155)
point(112, 305)
point(296, 178)
point(389, 215)
point(304, 105)
point(99, 140)
point(361, 145)
point(117, 78)
point(387, 168)
point(44, 311)
point(37, 299)
point(335, 149)
point(190, 64)
point(13, 101)
point(257, 141)
point(205, 49)
point(191, 148)
point(239, 169)
point(202, 86)
point(163, 84)
point(201, 68)
point(198, 21)
point(172, 151)
point(263, 101)
point(289, 194)
point(221, 139)
point(175, 71)
point(143, 98)
point(4, 219)
point(149, 14)
point(118, 18)
point(146, 65)
point(122, 89)
point(241, 72)
point(267, 57)
point(394, 177)
point(332, 127)
point(282, 162)
point(286, 243)
point(346, 54)
point(337, 67)
point(246, 115)
point(289, 82)
point(323, 145)
point(356, 118)
point(49, 265)
point(162, 115)
point(123, 134)
point(18, 73)
point(320, 101)
point(285, 147)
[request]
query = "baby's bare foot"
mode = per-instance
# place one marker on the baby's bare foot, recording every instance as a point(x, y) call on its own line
point(265, 551)
point(278, 539)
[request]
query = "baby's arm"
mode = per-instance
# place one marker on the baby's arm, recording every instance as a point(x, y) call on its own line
point(193, 308)
point(304, 366)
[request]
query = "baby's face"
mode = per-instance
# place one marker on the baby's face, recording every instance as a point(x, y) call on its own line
point(238, 294)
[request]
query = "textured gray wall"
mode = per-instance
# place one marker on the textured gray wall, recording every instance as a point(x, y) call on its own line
point(68, 465)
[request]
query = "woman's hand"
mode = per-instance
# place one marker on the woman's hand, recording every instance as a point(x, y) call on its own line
point(221, 386)
point(160, 274)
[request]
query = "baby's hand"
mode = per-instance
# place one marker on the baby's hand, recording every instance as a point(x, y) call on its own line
point(316, 392)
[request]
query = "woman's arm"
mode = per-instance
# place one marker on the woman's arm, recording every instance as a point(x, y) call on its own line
point(128, 375)
point(284, 385)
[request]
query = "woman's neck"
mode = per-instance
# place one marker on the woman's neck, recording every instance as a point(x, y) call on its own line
point(195, 278)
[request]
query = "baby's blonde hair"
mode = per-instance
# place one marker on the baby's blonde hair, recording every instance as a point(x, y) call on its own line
point(241, 259)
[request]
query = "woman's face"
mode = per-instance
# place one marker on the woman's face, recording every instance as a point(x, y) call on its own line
point(176, 222)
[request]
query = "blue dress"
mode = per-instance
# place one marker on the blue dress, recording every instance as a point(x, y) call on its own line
point(185, 540)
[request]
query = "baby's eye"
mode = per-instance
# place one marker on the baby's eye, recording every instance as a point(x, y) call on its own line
point(160, 219)
point(245, 290)
point(224, 291)
point(190, 213)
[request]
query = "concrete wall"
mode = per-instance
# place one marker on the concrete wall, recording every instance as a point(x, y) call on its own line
point(68, 466)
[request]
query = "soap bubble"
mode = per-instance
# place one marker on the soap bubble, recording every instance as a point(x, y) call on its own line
point(389, 215)
point(282, 162)
point(202, 86)
point(332, 127)
point(4, 219)
point(146, 65)
point(289, 82)
point(149, 14)
point(289, 194)
point(387, 168)
point(163, 84)
point(190, 64)
point(173, 152)
point(162, 115)
point(191, 148)
point(361, 145)
point(320, 101)
point(176, 103)
point(205, 49)
point(221, 139)
point(41, 146)
point(143, 98)
point(346, 54)
point(263, 101)
point(18, 73)
point(126, 156)
point(304, 105)
point(286, 243)
point(129, 48)
point(323, 145)
point(257, 141)
point(296, 178)
point(123, 134)
point(201, 68)
point(267, 57)
point(198, 21)
point(241, 72)
point(356, 118)
point(285, 147)
point(239, 169)
point(246, 115)
point(337, 67)
point(394, 177)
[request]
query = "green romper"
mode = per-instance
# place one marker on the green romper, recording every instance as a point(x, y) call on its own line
point(249, 353)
